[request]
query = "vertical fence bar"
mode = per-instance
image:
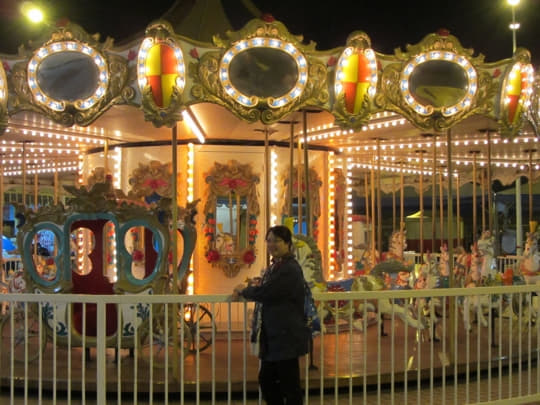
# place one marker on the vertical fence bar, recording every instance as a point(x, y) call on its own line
point(364, 357)
point(214, 343)
point(490, 343)
point(336, 354)
point(418, 359)
point(41, 326)
point(392, 356)
point(54, 352)
point(229, 359)
point(69, 356)
point(83, 354)
point(118, 356)
point(510, 325)
point(350, 352)
point(520, 344)
point(101, 353)
point(479, 317)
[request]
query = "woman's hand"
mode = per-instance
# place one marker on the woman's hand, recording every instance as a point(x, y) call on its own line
point(237, 292)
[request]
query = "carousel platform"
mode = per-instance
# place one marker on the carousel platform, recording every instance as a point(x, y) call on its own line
point(403, 358)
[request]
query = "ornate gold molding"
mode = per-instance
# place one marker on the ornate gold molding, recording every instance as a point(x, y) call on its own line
point(112, 83)
point(210, 74)
point(161, 34)
point(478, 95)
point(236, 183)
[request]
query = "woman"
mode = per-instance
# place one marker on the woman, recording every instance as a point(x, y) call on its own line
point(279, 325)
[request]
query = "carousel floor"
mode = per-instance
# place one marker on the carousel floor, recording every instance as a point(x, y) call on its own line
point(393, 358)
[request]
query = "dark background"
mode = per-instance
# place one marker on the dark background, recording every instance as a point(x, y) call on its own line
point(479, 24)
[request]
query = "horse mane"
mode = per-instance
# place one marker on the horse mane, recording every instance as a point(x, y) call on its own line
point(309, 257)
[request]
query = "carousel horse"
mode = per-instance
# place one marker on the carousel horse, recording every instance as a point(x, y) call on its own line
point(478, 305)
point(392, 272)
point(461, 268)
point(487, 254)
point(529, 265)
point(309, 257)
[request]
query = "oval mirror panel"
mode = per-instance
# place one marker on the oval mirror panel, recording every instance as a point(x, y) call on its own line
point(263, 72)
point(68, 76)
point(438, 83)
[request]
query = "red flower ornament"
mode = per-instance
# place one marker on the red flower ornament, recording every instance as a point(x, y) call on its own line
point(212, 256)
point(194, 53)
point(249, 257)
point(267, 17)
point(131, 55)
point(331, 61)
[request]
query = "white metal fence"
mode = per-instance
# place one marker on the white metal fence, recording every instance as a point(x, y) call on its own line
point(454, 346)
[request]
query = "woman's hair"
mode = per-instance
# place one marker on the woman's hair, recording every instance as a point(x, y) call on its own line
point(282, 232)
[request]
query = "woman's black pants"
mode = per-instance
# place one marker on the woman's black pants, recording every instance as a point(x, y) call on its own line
point(280, 382)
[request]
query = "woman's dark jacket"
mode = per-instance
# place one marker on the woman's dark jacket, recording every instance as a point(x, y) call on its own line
point(284, 334)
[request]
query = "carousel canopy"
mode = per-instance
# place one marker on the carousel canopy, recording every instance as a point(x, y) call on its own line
point(71, 91)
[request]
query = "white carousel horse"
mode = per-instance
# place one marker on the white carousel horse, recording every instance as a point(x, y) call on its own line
point(386, 306)
point(462, 266)
point(482, 270)
point(530, 263)
point(476, 305)
point(397, 245)
point(309, 257)
point(487, 253)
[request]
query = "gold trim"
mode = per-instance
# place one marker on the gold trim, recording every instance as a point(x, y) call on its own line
point(208, 85)
point(161, 32)
point(3, 99)
point(358, 41)
point(482, 94)
point(522, 62)
point(234, 180)
point(114, 78)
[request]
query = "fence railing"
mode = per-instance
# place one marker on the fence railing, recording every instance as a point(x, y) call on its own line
point(469, 345)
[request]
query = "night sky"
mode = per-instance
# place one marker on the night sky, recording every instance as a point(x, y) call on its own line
point(479, 24)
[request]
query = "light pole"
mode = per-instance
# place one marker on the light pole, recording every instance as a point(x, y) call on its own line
point(514, 26)
point(519, 222)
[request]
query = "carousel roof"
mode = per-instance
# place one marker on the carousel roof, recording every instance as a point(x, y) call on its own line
point(71, 91)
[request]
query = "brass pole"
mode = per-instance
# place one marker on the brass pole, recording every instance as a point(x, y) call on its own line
point(299, 192)
point(530, 189)
point(366, 197)
point(106, 157)
point(267, 190)
point(306, 176)
point(56, 181)
point(474, 211)
point(379, 205)
point(401, 199)
point(489, 188)
point(441, 208)
point(291, 171)
point(373, 246)
point(174, 253)
point(483, 192)
point(458, 212)
point(24, 174)
point(450, 210)
point(394, 203)
point(421, 193)
point(433, 198)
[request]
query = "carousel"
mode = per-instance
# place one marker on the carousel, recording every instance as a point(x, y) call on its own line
point(378, 162)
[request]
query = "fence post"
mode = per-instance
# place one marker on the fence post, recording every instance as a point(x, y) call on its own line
point(101, 348)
